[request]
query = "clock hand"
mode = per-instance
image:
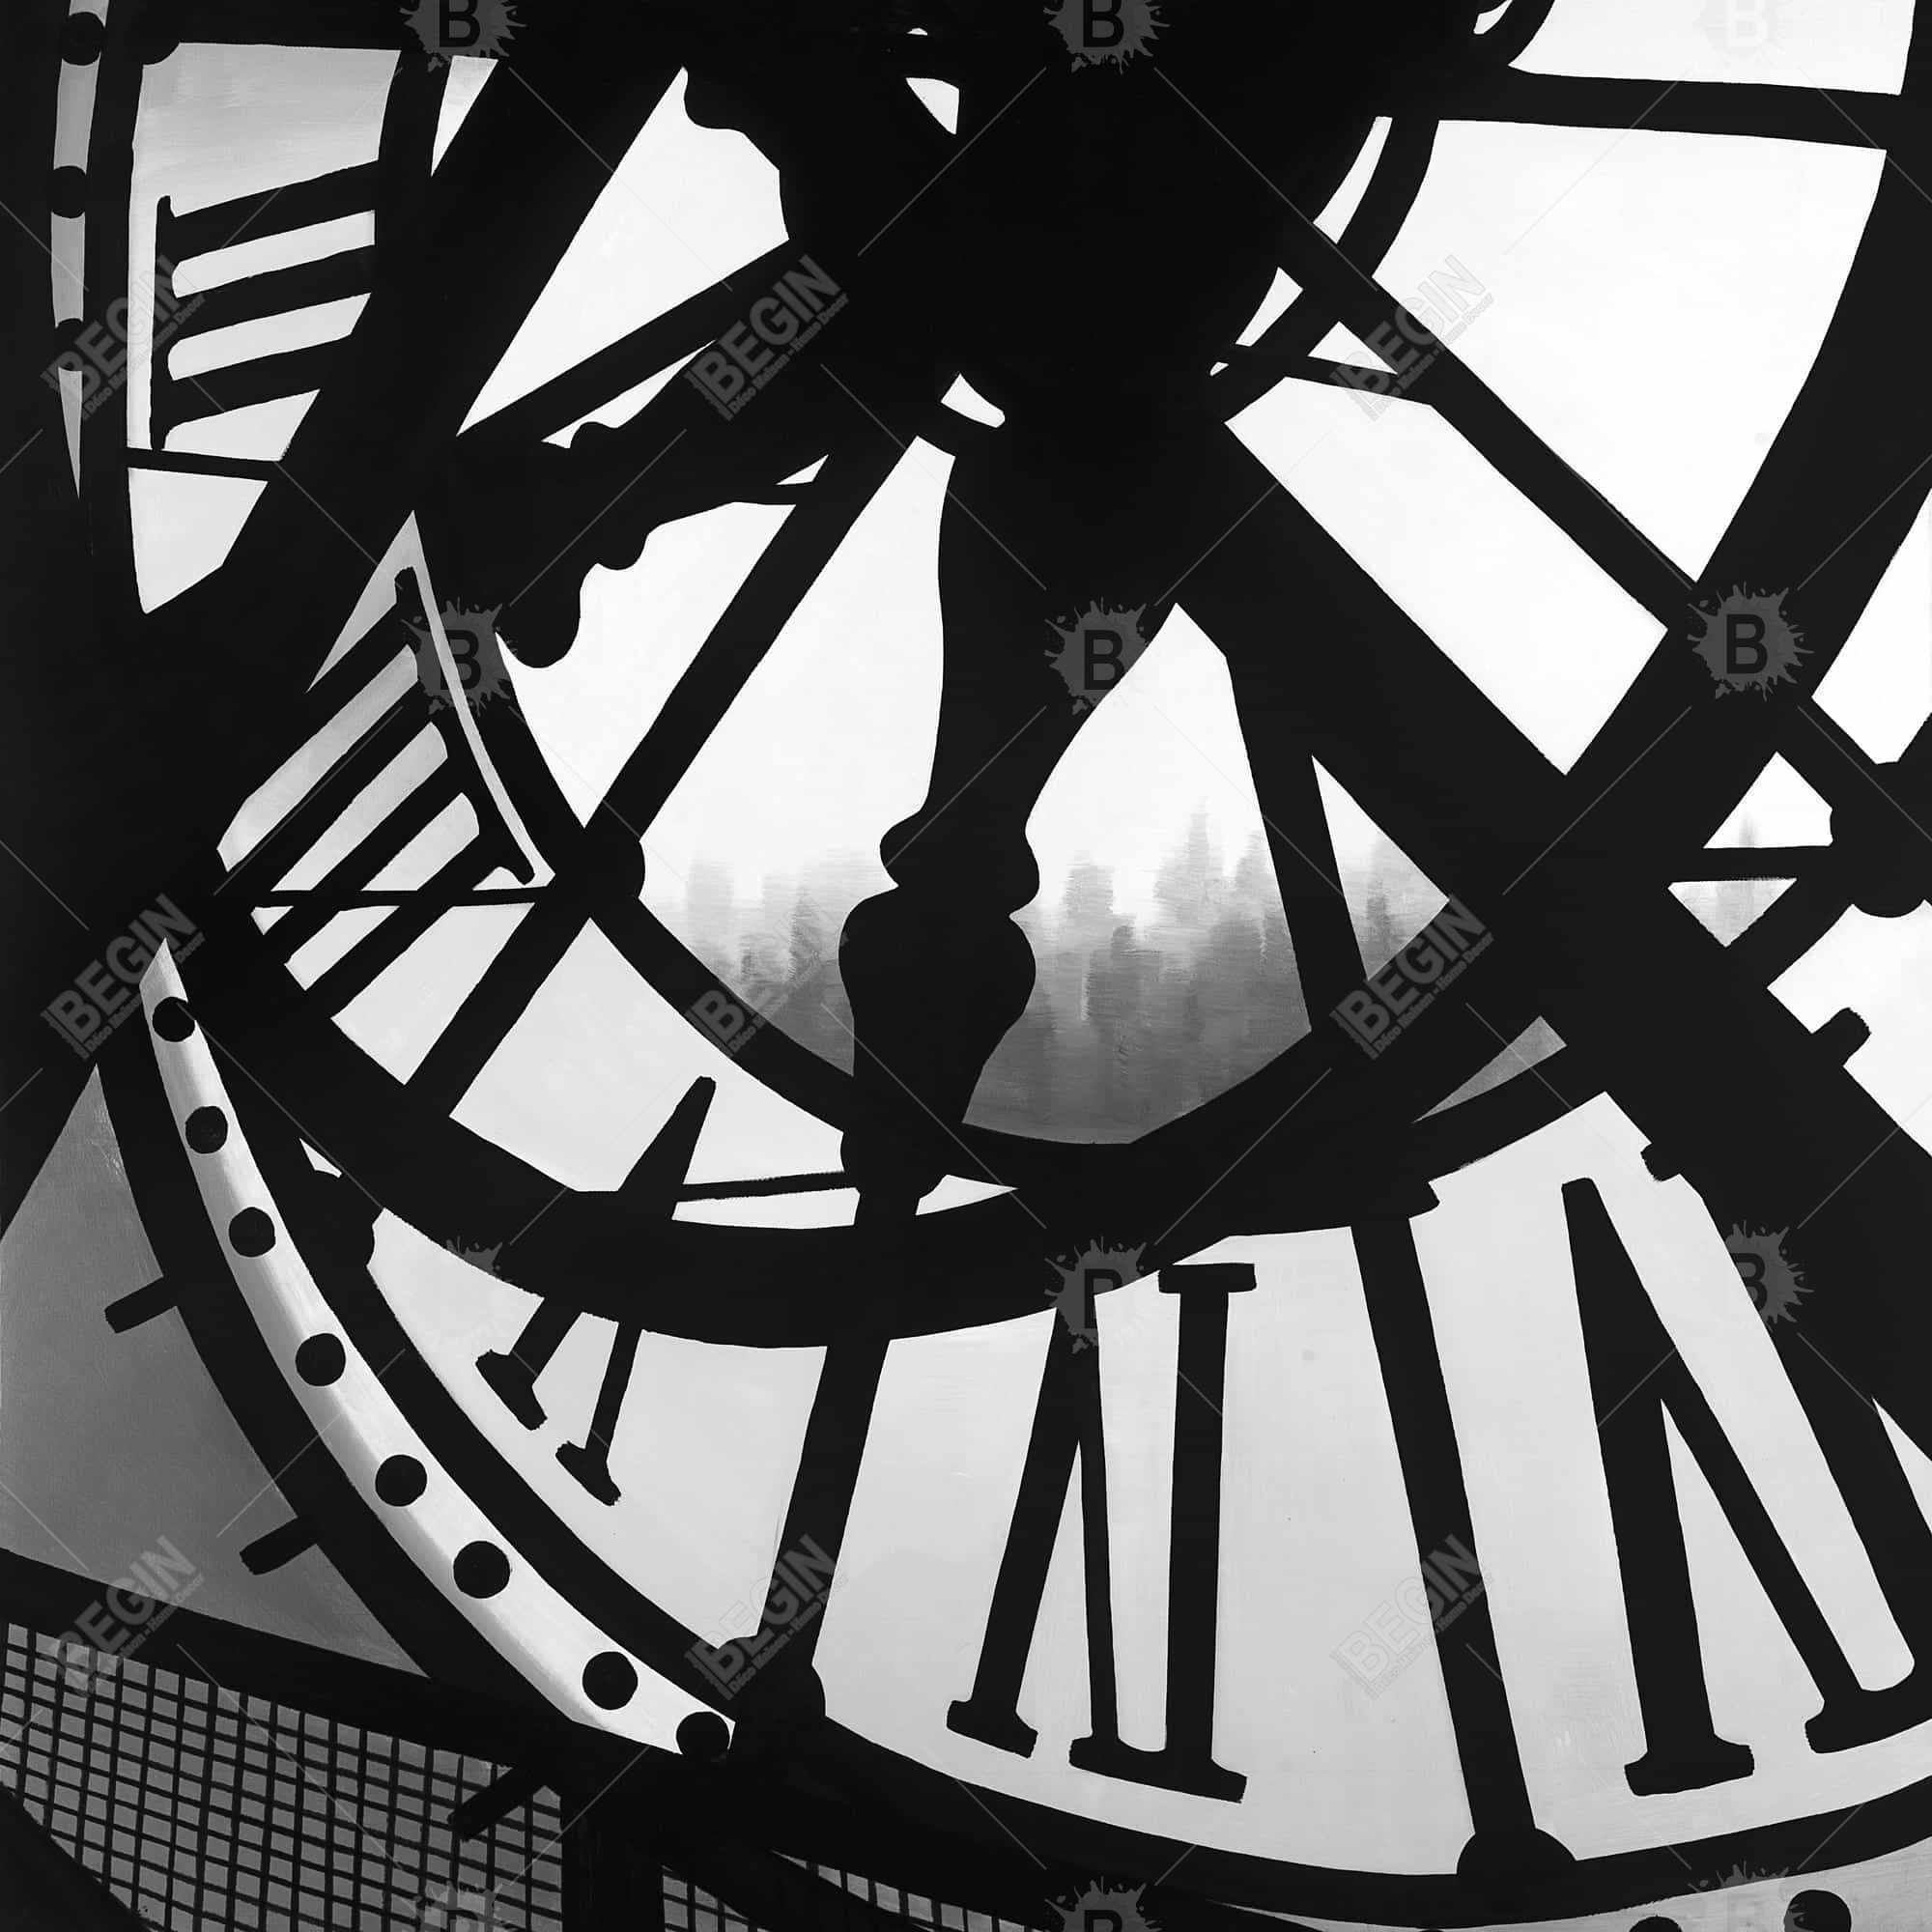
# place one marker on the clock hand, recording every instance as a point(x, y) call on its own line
point(801, 345)
point(521, 528)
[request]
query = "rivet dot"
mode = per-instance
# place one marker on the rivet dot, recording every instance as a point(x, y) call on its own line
point(83, 37)
point(321, 1360)
point(172, 1019)
point(251, 1232)
point(67, 191)
point(609, 1679)
point(481, 1570)
point(400, 1480)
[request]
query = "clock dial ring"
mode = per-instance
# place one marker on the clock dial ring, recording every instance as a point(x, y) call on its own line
point(1062, 1169)
point(1008, 1156)
point(833, 1757)
point(1000, 1156)
point(1448, 1904)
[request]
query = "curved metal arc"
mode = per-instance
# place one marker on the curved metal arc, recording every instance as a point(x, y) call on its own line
point(854, 1763)
point(1820, 457)
point(1441, 1914)
point(514, 187)
point(841, 1761)
point(1786, 483)
point(104, 434)
point(858, 1764)
point(1042, 1170)
point(1016, 1148)
point(1511, 35)
point(1366, 238)
point(662, 961)
point(418, 1618)
point(823, 1101)
point(761, 1286)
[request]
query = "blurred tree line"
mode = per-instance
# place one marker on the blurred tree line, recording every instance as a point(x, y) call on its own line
point(1135, 1018)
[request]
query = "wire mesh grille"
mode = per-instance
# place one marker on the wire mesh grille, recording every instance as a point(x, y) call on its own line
point(204, 1809)
point(688, 1909)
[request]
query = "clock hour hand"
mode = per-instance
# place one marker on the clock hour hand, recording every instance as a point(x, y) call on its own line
point(795, 351)
point(936, 970)
point(522, 527)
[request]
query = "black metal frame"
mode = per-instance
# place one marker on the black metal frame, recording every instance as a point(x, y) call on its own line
point(1699, 773)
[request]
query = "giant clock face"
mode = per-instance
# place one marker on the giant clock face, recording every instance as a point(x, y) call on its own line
point(1374, 1377)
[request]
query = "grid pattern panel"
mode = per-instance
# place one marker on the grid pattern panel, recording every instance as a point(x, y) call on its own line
point(204, 1809)
point(688, 1909)
point(210, 1812)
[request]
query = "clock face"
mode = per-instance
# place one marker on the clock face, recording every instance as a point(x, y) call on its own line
point(1282, 1290)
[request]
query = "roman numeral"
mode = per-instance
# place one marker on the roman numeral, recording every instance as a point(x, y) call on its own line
point(401, 723)
point(377, 847)
point(652, 1184)
point(178, 319)
point(1637, 1379)
point(784, 1686)
point(1505, 1838)
point(1505, 1841)
point(1067, 1429)
point(401, 928)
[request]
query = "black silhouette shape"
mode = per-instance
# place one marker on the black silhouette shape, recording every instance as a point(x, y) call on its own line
point(1113, 481)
